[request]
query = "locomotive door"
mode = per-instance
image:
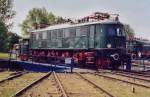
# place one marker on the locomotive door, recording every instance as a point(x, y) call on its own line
point(91, 36)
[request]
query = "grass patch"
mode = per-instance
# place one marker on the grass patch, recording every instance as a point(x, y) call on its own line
point(4, 55)
point(9, 88)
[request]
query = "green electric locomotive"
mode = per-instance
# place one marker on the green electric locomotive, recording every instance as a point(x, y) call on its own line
point(94, 41)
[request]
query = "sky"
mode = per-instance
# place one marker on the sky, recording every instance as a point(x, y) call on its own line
point(136, 13)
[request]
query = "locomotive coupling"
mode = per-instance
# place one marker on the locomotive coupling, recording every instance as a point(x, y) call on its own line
point(115, 56)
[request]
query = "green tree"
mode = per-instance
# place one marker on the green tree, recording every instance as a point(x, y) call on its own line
point(36, 17)
point(13, 38)
point(3, 37)
point(128, 31)
point(6, 12)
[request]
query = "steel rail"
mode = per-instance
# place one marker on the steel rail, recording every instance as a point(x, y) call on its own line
point(128, 76)
point(12, 77)
point(92, 83)
point(64, 93)
point(125, 72)
point(20, 92)
point(136, 73)
point(141, 85)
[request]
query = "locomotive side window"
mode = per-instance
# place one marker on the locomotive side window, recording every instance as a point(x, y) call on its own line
point(92, 31)
point(60, 33)
point(66, 33)
point(63, 33)
point(99, 30)
point(91, 37)
point(37, 36)
point(33, 36)
point(49, 34)
point(40, 36)
point(72, 33)
point(78, 31)
point(44, 36)
point(53, 34)
point(84, 30)
point(98, 35)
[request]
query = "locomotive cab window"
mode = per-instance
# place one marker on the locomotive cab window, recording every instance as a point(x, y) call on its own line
point(115, 30)
point(118, 32)
point(112, 31)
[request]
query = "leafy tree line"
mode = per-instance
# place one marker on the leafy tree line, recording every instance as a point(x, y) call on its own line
point(128, 31)
point(39, 17)
point(7, 38)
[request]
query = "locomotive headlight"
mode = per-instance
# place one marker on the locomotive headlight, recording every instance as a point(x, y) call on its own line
point(108, 45)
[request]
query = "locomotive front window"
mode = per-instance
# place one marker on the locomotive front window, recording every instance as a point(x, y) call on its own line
point(111, 31)
point(115, 30)
point(119, 32)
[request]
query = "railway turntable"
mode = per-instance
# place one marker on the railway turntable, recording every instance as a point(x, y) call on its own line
point(96, 41)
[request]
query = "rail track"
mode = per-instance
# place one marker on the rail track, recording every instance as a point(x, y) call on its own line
point(12, 76)
point(126, 79)
point(118, 88)
point(21, 91)
point(12, 84)
point(76, 85)
point(5, 74)
point(87, 84)
point(129, 75)
point(60, 85)
point(143, 74)
point(48, 85)
point(96, 86)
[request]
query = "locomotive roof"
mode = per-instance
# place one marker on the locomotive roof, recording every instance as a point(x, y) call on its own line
point(69, 25)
